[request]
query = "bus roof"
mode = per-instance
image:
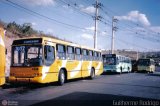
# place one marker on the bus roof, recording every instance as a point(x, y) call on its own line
point(30, 40)
point(116, 55)
point(146, 59)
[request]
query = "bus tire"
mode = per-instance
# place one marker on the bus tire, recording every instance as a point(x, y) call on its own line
point(61, 77)
point(128, 70)
point(92, 74)
point(121, 70)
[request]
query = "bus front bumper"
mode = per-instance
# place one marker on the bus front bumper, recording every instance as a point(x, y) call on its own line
point(2, 80)
point(25, 80)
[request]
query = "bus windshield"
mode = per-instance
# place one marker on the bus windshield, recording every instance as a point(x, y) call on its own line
point(27, 55)
point(109, 60)
point(144, 62)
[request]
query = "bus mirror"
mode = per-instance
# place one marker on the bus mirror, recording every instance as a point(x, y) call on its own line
point(45, 56)
point(6, 51)
point(49, 49)
point(45, 52)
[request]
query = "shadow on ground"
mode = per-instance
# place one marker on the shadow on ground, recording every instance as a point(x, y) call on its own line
point(93, 99)
point(114, 73)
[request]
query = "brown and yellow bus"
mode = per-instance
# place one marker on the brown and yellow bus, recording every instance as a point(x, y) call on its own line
point(2, 56)
point(45, 60)
point(147, 65)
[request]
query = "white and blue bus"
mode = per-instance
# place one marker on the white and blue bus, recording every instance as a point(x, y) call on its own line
point(116, 63)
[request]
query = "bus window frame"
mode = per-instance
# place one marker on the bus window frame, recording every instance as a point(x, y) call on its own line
point(78, 56)
point(51, 62)
point(70, 56)
point(59, 53)
point(90, 55)
point(85, 56)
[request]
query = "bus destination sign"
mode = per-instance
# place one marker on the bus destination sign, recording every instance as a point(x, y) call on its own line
point(28, 41)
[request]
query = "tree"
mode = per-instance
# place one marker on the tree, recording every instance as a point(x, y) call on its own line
point(27, 29)
point(14, 28)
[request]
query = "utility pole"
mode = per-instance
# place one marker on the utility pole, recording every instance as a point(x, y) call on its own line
point(114, 28)
point(96, 18)
point(96, 25)
point(137, 55)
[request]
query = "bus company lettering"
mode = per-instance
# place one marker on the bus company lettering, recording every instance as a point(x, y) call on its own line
point(136, 103)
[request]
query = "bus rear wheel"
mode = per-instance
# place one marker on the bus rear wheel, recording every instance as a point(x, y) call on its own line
point(121, 70)
point(129, 70)
point(61, 77)
point(92, 74)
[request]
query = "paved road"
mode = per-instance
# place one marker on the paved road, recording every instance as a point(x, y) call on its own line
point(103, 90)
point(158, 69)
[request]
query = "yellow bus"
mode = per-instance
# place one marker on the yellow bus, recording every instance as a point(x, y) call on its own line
point(2, 56)
point(147, 65)
point(45, 60)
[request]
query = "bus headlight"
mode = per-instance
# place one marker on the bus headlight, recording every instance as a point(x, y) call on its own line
point(37, 74)
point(12, 74)
point(34, 68)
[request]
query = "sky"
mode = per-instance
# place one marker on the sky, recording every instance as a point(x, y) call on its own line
point(138, 25)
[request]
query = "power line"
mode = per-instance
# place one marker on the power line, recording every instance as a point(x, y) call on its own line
point(129, 43)
point(134, 23)
point(152, 39)
point(36, 13)
point(74, 7)
point(130, 28)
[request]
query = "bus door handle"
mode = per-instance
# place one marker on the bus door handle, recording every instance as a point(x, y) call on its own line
point(58, 62)
point(70, 61)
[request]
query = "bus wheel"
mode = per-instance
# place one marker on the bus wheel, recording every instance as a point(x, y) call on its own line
point(121, 70)
point(92, 74)
point(128, 70)
point(61, 77)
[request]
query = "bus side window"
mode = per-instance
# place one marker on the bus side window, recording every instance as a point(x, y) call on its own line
point(61, 51)
point(70, 53)
point(152, 63)
point(90, 55)
point(96, 56)
point(117, 60)
point(85, 54)
point(104, 58)
point(99, 56)
point(78, 53)
point(49, 55)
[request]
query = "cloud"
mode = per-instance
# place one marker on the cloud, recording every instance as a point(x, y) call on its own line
point(38, 2)
point(103, 33)
point(135, 16)
point(81, 6)
point(155, 29)
point(34, 24)
point(92, 28)
point(87, 36)
point(50, 31)
point(89, 9)
point(65, 6)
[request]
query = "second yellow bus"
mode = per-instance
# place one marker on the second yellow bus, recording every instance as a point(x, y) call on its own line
point(2, 56)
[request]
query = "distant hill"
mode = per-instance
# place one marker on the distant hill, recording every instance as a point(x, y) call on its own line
point(135, 55)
